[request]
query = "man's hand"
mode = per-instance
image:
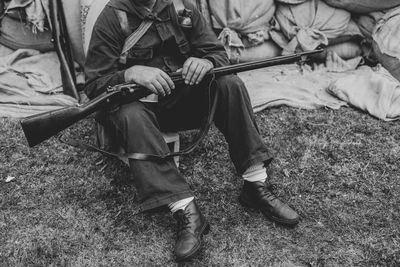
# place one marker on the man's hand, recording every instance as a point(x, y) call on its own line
point(194, 69)
point(153, 79)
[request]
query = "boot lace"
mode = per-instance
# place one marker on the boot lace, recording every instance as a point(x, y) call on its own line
point(269, 192)
point(182, 218)
point(273, 188)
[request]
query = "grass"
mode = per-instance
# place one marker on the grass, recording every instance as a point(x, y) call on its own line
point(339, 169)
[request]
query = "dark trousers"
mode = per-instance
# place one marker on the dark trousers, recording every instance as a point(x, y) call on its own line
point(138, 128)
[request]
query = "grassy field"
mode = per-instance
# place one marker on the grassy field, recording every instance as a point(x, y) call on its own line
point(339, 169)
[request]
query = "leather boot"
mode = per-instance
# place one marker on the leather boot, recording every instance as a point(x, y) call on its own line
point(258, 196)
point(191, 227)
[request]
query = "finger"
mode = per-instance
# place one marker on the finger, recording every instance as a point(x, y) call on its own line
point(152, 88)
point(197, 73)
point(159, 88)
point(192, 70)
point(201, 76)
point(186, 67)
point(207, 68)
point(164, 84)
point(168, 80)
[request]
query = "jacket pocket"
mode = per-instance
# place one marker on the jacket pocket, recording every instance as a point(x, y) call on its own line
point(140, 54)
point(184, 48)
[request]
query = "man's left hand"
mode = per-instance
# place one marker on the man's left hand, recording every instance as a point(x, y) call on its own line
point(194, 69)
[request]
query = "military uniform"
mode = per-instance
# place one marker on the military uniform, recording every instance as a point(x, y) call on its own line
point(137, 126)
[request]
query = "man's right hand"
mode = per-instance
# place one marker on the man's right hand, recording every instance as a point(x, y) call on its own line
point(152, 78)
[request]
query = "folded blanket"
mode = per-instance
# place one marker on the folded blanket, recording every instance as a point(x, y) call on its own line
point(291, 85)
point(29, 78)
point(372, 90)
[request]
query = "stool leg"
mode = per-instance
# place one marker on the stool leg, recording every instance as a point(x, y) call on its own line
point(176, 149)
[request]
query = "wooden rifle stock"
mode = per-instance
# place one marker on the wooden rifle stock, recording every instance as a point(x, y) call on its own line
point(40, 127)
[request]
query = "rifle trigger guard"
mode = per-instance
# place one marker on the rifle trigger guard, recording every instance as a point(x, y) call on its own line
point(125, 90)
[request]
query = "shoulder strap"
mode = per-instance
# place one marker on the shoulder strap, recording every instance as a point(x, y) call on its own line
point(97, 7)
point(134, 37)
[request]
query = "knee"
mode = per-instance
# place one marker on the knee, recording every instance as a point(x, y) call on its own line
point(232, 85)
point(134, 114)
point(132, 111)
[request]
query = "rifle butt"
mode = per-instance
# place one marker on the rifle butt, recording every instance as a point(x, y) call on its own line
point(40, 127)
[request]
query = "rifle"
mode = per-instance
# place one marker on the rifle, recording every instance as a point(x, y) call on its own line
point(40, 127)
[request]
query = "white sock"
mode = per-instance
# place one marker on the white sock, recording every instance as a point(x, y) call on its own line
point(180, 204)
point(255, 173)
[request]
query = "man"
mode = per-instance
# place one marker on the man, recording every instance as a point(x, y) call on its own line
point(164, 48)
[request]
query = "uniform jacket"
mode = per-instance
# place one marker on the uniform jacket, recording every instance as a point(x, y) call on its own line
point(165, 45)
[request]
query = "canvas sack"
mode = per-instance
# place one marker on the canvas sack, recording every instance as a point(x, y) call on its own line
point(305, 26)
point(363, 6)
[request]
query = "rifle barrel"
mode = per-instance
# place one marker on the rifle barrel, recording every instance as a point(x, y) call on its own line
point(40, 127)
point(262, 63)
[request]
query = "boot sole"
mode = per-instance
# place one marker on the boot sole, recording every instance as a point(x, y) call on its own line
point(197, 249)
point(288, 223)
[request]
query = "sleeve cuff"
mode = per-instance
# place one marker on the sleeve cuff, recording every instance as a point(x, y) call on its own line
point(211, 59)
point(120, 77)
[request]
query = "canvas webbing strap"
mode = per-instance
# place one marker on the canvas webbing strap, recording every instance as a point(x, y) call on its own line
point(96, 7)
point(134, 37)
